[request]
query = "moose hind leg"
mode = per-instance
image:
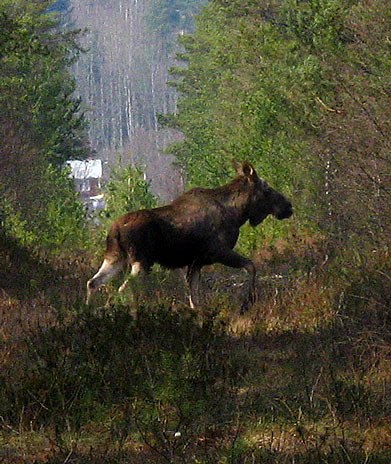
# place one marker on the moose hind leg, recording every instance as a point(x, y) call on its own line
point(109, 269)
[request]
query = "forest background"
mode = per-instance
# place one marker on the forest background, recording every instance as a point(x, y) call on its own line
point(302, 90)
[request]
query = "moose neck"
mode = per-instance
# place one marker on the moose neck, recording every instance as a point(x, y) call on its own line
point(236, 196)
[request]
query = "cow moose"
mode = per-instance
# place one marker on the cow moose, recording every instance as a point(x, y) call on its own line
point(200, 227)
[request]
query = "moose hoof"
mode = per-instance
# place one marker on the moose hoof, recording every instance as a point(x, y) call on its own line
point(246, 305)
point(244, 308)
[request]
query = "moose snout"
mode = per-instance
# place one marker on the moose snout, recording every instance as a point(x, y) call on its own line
point(285, 212)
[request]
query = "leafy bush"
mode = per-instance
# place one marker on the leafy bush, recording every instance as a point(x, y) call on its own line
point(41, 126)
point(126, 191)
point(56, 219)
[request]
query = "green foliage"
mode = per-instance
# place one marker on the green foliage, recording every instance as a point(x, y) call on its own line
point(239, 97)
point(12, 223)
point(64, 223)
point(35, 85)
point(319, 24)
point(347, 39)
point(58, 223)
point(127, 191)
point(40, 127)
point(296, 88)
point(171, 16)
point(248, 93)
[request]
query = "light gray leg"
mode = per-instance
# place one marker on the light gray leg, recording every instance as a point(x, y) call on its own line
point(136, 269)
point(136, 282)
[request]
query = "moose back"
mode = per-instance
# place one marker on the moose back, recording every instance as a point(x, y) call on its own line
point(200, 227)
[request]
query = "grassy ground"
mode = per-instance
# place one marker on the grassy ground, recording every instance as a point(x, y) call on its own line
point(303, 377)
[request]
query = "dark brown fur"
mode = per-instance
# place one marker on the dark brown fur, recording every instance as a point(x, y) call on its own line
point(200, 227)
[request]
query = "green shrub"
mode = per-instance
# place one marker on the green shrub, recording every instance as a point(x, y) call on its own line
point(127, 191)
point(55, 219)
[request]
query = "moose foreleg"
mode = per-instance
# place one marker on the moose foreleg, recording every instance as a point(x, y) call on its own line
point(193, 278)
point(136, 269)
point(137, 281)
point(232, 259)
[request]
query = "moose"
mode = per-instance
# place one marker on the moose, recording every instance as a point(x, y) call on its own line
point(199, 228)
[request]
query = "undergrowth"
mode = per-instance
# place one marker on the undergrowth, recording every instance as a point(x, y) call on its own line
point(303, 377)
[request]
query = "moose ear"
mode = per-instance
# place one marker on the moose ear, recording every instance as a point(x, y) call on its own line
point(245, 169)
point(238, 167)
point(249, 171)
